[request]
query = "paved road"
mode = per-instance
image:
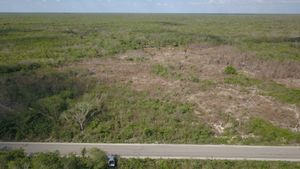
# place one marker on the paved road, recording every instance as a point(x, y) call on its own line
point(169, 151)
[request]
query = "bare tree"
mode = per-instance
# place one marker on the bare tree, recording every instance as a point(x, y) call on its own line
point(81, 113)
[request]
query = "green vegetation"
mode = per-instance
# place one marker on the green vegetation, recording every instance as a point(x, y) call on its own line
point(282, 93)
point(17, 159)
point(207, 84)
point(267, 133)
point(34, 101)
point(132, 117)
point(208, 164)
point(242, 80)
point(42, 99)
point(52, 38)
point(160, 70)
point(61, 111)
point(96, 159)
point(230, 70)
point(278, 91)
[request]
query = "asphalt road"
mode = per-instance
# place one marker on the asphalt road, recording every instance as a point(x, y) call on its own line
point(169, 151)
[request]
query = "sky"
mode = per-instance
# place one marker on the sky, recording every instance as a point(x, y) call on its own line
point(152, 6)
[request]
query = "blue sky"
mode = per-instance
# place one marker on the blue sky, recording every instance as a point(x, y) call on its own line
point(152, 6)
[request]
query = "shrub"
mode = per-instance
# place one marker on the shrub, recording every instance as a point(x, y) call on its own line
point(148, 132)
point(25, 66)
point(72, 162)
point(97, 159)
point(184, 108)
point(47, 161)
point(230, 70)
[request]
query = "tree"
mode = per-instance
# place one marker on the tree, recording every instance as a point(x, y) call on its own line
point(52, 106)
point(81, 113)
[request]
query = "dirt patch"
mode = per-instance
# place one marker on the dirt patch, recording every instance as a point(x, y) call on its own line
point(242, 104)
point(285, 72)
point(188, 70)
point(289, 82)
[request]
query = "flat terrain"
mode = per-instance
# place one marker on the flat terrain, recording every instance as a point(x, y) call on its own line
point(181, 79)
point(168, 151)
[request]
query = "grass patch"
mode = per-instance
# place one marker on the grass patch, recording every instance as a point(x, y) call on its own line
point(242, 80)
point(137, 59)
point(270, 88)
point(207, 84)
point(282, 93)
point(160, 70)
point(267, 133)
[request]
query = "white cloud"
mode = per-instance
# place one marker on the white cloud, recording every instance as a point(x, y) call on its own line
point(162, 4)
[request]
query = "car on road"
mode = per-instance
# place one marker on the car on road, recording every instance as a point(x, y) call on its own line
point(112, 161)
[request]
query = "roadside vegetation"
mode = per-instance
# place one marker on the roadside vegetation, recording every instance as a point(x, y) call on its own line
point(96, 159)
point(207, 164)
point(17, 159)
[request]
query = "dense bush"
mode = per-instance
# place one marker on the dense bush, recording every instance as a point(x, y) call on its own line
point(35, 101)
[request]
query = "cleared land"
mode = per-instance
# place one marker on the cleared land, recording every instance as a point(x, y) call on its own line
point(150, 78)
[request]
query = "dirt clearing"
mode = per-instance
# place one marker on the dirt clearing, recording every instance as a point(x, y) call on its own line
point(195, 75)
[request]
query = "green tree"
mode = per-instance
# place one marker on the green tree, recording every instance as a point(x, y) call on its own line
point(52, 106)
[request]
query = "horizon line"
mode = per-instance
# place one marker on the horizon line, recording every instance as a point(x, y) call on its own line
point(227, 13)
